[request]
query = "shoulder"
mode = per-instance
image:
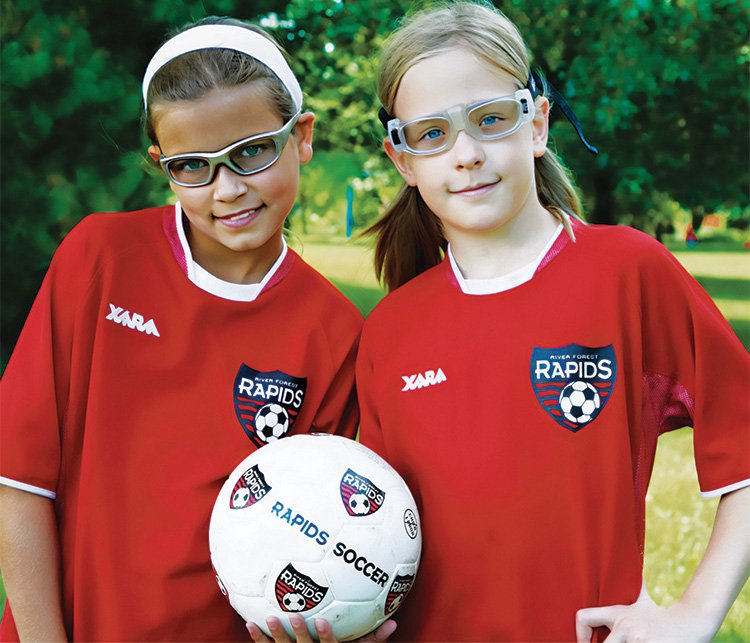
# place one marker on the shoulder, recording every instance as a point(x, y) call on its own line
point(621, 247)
point(413, 298)
point(108, 231)
point(317, 292)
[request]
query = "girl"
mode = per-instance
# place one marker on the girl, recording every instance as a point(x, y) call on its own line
point(156, 340)
point(520, 383)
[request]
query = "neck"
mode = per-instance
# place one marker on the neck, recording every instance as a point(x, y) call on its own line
point(234, 266)
point(504, 250)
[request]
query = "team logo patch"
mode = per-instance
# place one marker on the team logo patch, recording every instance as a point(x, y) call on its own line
point(399, 589)
point(250, 488)
point(267, 403)
point(359, 495)
point(296, 592)
point(573, 383)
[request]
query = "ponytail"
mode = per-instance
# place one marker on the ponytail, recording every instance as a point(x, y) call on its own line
point(409, 239)
point(555, 189)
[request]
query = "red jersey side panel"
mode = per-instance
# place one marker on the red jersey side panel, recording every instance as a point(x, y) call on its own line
point(131, 395)
point(526, 422)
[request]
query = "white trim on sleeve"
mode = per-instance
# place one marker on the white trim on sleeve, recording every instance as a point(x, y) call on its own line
point(38, 491)
point(715, 493)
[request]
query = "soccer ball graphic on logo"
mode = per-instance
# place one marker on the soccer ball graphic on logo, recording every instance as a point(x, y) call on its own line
point(579, 401)
point(271, 422)
point(327, 530)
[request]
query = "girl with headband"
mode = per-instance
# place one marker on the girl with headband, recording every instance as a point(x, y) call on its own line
point(523, 366)
point(155, 341)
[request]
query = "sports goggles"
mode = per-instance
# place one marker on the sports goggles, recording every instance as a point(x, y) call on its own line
point(245, 157)
point(486, 121)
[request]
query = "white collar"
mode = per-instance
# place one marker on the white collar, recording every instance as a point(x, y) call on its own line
point(506, 282)
point(212, 284)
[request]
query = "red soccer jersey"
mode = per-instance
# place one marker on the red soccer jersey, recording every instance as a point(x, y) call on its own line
point(526, 423)
point(132, 393)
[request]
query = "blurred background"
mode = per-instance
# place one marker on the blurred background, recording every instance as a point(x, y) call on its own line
point(660, 86)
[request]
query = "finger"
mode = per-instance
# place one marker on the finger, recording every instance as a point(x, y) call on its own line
point(257, 634)
point(301, 631)
point(324, 630)
point(383, 632)
point(589, 618)
point(277, 630)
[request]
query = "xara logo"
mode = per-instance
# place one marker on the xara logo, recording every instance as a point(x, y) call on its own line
point(420, 380)
point(132, 320)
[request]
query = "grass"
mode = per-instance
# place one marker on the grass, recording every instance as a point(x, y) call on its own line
point(678, 520)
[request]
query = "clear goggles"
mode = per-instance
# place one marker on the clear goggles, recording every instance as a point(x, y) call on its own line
point(245, 157)
point(485, 121)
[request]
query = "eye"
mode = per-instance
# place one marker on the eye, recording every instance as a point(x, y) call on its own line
point(188, 165)
point(432, 134)
point(490, 119)
point(251, 150)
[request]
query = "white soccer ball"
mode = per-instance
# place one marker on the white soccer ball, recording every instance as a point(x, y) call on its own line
point(316, 525)
point(579, 401)
point(271, 422)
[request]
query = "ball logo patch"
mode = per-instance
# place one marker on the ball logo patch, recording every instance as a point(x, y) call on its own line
point(397, 592)
point(249, 488)
point(296, 592)
point(573, 383)
point(267, 403)
point(359, 495)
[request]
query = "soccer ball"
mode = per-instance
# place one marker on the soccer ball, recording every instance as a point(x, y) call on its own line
point(271, 422)
point(579, 401)
point(316, 525)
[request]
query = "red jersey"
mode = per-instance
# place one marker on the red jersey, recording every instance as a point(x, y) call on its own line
point(132, 394)
point(526, 423)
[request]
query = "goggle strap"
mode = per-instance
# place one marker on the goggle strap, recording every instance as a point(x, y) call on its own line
point(535, 85)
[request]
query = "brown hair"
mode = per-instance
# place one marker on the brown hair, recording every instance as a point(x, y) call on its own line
point(409, 237)
point(193, 74)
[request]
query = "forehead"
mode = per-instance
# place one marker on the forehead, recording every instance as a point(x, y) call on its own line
point(455, 77)
point(217, 119)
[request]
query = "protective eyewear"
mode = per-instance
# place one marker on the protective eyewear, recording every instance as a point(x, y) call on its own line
point(485, 121)
point(245, 157)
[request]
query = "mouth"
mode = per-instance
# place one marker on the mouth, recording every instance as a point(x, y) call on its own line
point(477, 189)
point(239, 219)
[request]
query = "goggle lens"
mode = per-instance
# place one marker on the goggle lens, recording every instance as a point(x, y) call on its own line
point(488, 120)
point(245, 157)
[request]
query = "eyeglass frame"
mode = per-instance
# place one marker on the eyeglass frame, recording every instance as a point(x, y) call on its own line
point(280, 137)
point(457, 119)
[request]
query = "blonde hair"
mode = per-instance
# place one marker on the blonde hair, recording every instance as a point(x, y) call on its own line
point(409, 237)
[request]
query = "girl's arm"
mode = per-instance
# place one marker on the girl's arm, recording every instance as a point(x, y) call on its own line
point(713, 588)
point(30, 564)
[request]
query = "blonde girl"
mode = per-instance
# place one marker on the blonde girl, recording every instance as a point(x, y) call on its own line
point(524, 364)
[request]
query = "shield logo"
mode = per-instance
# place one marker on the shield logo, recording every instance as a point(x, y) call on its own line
point(573, 383)
point(249, 488)
point(267, 403)
point(359, 495)
point(397, 592)
point(296, 592)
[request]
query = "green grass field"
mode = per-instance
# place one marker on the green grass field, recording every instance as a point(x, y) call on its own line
point(679, 521)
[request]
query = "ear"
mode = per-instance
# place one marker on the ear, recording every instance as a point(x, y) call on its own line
point(540, 126)
point(303, 136)
point(155, 153)
point(402, 161)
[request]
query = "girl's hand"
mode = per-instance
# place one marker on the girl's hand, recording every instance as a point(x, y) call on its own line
point(302, 634)
point(644, 620)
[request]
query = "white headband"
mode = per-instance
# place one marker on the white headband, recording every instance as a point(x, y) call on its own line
point(239, 39)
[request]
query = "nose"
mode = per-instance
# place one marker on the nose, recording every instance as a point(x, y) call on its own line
point(468, 152)
point(228, 185)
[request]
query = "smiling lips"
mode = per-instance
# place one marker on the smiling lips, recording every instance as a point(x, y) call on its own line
point(239, 219)
point(476, 190)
